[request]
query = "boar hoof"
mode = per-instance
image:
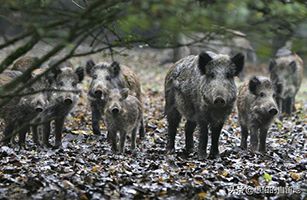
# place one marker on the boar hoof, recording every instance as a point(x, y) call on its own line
point(213, 156)
point(170, 150)
point(96, 132)
point(134, 152)
point(189, 151)
point(243, 147)
point(48, 145)
point(57, 145)
point(262, 151)
point(202, 156)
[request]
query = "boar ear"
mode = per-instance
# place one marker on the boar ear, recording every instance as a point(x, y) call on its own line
point(203, 60)
point(89, 66)
point(253, 84)
point(272, 65)
point(238, 60)
point(293, 66)
point(124, 93)
point(114, 68)
point(53, 74)
point(80, 73)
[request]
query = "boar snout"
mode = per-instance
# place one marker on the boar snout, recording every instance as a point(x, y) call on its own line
point(68, 101)
point(39, 109)
point(98, 93)
point(38, 104)
point(115, 110)
point(219, 101)
point(273, 111)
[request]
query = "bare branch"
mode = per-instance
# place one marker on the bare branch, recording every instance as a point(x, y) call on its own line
point(18, 53)
point(78, 4)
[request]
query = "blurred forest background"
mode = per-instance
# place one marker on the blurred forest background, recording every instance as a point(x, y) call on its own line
point(265, 25)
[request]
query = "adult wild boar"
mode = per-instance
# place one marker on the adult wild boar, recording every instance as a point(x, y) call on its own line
point(202, 89)
point(286, 74)
point(106, 76)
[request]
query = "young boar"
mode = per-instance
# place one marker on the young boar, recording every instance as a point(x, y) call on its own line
point(286, 74)
point(107, 76)
point(19, 112)
point(65, 80)
point(202, 89)
point(123, 114)
point(257, 109)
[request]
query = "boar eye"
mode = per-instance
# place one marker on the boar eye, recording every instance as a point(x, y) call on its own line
point(31, 90)
point(108, 78)
point(274, 95)
point(95, 76)
point(262, 94)
point(61, 83)
point(228, 75)
point(74, 84)
point(211, 75)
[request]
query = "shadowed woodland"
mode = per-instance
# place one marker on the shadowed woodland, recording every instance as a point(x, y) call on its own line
point(67, 66)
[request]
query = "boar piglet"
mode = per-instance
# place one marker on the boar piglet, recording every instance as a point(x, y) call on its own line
point(64, 81)
point(19, 112)
point(257, 109)
point(106, 76)
point(286, 74)
point(123, 114)
point(202, 89)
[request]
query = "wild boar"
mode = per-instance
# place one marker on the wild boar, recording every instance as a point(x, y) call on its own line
point(257, 109)
point(286, 71)
point(64, 81)
point(107, 76)
point(202, 89)
point(123, 114)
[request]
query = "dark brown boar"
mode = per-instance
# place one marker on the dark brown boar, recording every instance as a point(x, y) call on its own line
point(106, 76)
point(123, 114)
point(286, 74)
point(21, 110)
point(257, 109)
point(64, 81)
point(202, 89)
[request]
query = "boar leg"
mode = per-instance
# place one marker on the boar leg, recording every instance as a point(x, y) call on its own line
point(244, 135)
point(133, 139)
point(46, 134)
point(293, 104)
point(203, 141)
point(96, 116)
point(8, 131)
point(263, 135)
point(34, 134)
point(189, 130)
point(254, 138)
point(215, 135)
point(122, 141)
point(22, 136)
point(173, 119)
point(59, 123)
point(142, 129)
point(288, 105)
point(112, 135)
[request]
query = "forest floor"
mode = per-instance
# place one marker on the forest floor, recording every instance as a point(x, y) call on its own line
point(85, 168)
